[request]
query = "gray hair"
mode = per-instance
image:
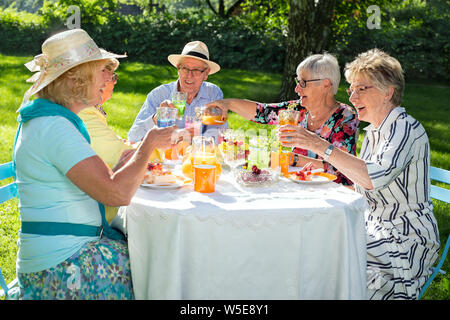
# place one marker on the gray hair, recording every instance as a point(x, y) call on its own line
point(322, 66)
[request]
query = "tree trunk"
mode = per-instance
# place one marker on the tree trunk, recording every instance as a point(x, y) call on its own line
point(232, 8)
point(150, 6)
point(309, 30)
point(221, 8)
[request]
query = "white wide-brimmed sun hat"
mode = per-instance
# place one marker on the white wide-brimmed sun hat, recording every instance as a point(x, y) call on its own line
point(197, 50)
point(62, 52)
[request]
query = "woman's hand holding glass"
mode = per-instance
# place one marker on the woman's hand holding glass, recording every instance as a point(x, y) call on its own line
point(295, 136)
point(161, 137)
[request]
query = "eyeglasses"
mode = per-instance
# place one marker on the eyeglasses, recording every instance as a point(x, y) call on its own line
point(195, 72)
point(358, 90)
point(302, 82)
point(113, 75)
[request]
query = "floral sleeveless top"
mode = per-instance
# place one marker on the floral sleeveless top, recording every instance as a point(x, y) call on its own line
point(341, 129)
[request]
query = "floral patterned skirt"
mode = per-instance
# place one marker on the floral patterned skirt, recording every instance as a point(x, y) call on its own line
point(98, 271)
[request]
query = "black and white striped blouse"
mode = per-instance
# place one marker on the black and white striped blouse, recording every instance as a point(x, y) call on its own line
point(397, 155)
point(402, 233)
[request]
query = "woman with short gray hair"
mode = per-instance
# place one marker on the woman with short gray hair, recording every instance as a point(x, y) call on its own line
point(317, 81)
point(322, 66)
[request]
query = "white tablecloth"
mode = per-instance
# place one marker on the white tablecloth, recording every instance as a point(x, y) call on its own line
point(287, 241)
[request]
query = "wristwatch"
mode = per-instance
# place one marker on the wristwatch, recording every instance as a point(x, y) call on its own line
point(327, 152)
point(294, 163)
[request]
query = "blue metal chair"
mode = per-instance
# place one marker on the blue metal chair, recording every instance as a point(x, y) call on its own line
point(441, 194)
point(7, 192)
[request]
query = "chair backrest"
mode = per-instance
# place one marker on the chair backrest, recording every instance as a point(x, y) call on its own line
point(436, 192)
point(441, 194)
point(7, 192)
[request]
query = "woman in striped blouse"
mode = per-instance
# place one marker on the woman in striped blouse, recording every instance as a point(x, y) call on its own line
point(392, 172)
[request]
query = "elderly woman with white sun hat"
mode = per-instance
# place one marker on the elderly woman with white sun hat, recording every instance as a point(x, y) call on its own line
point(66, 248)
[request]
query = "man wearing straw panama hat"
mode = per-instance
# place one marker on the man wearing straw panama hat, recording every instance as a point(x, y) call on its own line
point(194, 67)
point(67, 250)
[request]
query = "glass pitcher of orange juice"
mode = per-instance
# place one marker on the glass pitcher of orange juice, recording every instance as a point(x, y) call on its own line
point(210, 115)
point(204, 154)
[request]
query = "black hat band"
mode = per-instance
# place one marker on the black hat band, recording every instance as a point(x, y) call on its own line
point(197, 54)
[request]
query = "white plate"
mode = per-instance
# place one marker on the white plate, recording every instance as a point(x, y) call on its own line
point(315, 180)
point(164, 186)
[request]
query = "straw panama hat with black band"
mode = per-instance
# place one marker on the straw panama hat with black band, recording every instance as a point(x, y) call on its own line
point(60, 53)
point(197, 50)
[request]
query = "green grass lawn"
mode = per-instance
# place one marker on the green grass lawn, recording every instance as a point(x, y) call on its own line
point(427, 103)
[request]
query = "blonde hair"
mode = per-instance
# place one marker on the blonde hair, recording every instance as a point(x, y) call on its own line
point(112, 64)
point(381, 69)
point(75, 84)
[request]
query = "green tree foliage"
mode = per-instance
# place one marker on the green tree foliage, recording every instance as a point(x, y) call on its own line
point(416, 32)
point(263, 13)
point(22, 5)
point(93, 12)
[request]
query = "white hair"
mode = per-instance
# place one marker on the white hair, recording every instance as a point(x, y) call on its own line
point(322, 66)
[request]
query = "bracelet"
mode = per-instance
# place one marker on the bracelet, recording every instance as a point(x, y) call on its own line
point(327, 152)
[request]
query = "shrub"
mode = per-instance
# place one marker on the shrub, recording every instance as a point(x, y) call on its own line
point(232, 43)
point(20, 32)
point(416, 34)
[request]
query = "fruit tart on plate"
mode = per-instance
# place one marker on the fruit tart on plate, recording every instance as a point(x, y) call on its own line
point(158, 174)
point(311, 177)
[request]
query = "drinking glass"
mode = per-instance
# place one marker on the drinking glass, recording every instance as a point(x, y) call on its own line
point(287, 116)
point(234, 148)
point(275, 149)
point(197, 121)
point(180, 142)
point(204, 154)
point(259, 154)
point(285, 159)
point(222, 140)
point(204, 178)
point(166, 117)
point(179, 100)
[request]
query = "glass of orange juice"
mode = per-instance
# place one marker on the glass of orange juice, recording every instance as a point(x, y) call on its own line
point(205, 159)
point(204, 178)
point(275, 149)
point(288, 116)
point(284, 161)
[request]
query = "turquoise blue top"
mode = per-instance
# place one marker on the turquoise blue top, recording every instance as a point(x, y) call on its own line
point(46, 148)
